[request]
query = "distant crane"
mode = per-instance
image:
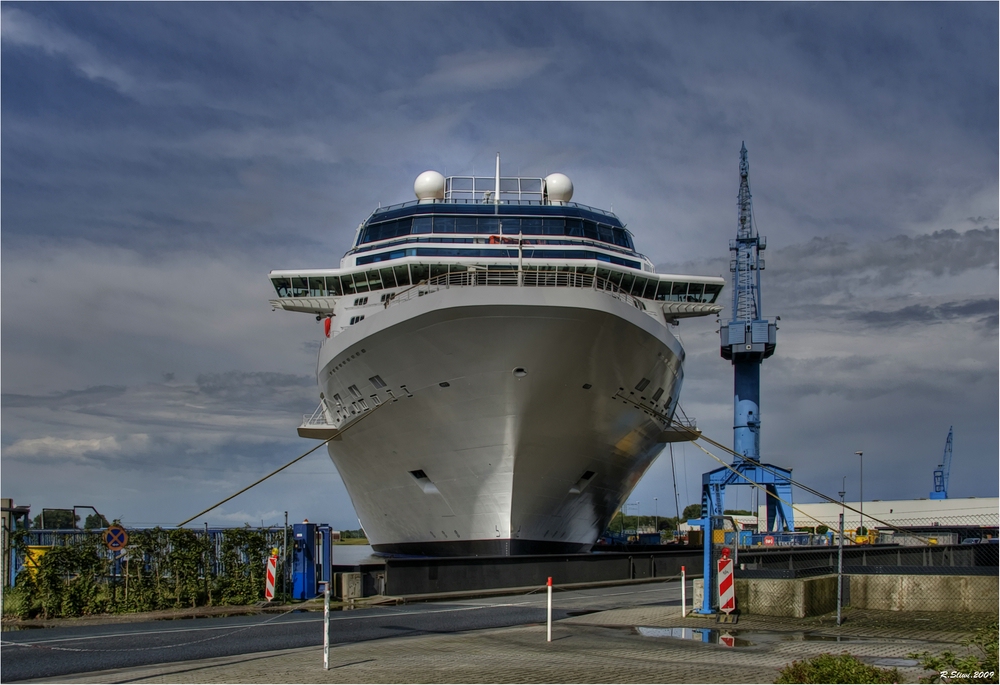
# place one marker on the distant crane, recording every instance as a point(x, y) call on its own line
point(943, 470)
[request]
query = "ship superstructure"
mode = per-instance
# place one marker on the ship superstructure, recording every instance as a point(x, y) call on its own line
point(497, 370)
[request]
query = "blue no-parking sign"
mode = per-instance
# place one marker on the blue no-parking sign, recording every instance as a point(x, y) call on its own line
point(115, 538)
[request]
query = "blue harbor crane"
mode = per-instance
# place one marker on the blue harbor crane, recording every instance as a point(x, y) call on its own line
point(747, 340)
point(943, 470)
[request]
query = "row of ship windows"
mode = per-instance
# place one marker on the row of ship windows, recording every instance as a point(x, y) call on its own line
point(493, 239)
point(494, 225)
point(494, 253)
point(407, 274)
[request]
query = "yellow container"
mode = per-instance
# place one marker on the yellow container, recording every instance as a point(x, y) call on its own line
point(34, 557)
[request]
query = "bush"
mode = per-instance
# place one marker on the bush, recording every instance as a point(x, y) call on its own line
point(17, 601)
point(76, 576)
point(980, 666)
point(827, 668)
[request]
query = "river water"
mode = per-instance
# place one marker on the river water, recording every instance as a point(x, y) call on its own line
point(351, 555)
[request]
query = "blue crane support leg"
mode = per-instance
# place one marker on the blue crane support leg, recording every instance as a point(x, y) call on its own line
point(777, 483)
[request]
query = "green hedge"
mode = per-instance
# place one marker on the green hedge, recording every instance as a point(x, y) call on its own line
point(164, 570)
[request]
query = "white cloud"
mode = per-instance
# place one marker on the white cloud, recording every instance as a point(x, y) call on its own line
point(20, 28)
point(74, 448)
point(484, 70)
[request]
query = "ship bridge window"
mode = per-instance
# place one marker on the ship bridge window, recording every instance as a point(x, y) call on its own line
point(650, 291)
point(711, 292)
point(422, 224)
point(282, 286)
point(679, 292)
point(638, 287)
point(695, 291)
point(444, 224)
point(466, 224)
point(386, 230)
point(360, 283)
point(402, 274)
point(627, 281)
point(300, 287)
point(418, 272)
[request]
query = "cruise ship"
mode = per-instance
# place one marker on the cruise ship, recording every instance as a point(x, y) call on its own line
point(497, 368)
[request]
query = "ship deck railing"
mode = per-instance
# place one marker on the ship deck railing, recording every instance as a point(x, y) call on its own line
point(321, 424)
point(321, 417)
point(515, 278)
point(462, 197)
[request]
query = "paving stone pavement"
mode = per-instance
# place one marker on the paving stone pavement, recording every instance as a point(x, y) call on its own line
point(602, 647)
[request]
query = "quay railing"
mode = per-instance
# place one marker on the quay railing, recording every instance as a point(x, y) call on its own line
point(515, 278)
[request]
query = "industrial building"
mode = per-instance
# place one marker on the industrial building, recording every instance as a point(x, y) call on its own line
point(952, 519)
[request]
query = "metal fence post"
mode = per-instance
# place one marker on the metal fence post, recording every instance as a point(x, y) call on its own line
point(326, 626)
point(840, 571)
point(284, 558)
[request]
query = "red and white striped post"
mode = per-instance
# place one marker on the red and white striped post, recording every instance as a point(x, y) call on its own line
point(684, 602)
point(727, 591)
point(549, 637)
point(272, 567)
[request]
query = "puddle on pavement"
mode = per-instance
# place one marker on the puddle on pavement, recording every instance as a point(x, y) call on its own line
point(741, 638)
point(704, 635)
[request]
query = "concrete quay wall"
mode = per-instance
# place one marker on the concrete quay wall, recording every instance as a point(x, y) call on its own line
point(803, 597)
point(925, 592)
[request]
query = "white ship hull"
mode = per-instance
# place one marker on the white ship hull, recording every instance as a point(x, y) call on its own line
point(497, 462)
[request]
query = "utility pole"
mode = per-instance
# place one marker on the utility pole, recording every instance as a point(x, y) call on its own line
point(284, 557)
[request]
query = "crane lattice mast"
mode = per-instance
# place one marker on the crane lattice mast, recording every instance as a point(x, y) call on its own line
point(943, 471)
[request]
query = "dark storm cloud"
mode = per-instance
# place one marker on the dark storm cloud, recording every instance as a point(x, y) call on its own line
point(983, 310)
point(893, 260)
point(68, 399)
point(262, 386)
point(159, 158)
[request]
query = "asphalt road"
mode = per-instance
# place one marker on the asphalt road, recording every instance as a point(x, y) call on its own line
point(51, 652)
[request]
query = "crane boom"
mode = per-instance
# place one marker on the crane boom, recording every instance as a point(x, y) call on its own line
point(943, 471)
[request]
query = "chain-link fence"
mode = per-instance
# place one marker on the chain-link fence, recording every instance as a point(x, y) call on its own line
point(72, 572)
point(930, 565)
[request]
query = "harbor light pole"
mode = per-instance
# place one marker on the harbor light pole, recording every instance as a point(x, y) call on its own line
point(861, 458)
point(656, 515)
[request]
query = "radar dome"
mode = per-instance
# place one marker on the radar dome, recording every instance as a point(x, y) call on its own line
point(429, 186)
point(558, 187)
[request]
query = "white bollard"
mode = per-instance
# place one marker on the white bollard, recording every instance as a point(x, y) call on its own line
point(684, 604)
point(326, 626)
point(549, 639)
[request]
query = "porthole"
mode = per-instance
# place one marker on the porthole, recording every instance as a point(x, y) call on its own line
point(520, 372)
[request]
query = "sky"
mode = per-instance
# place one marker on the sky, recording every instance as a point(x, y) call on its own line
point(158, 159)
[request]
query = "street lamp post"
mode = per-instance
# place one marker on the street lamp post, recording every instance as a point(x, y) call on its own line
point(861, 458)
point(656, 515)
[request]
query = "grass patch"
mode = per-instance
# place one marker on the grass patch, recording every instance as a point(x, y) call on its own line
point(827, 668)
point(978, 666)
